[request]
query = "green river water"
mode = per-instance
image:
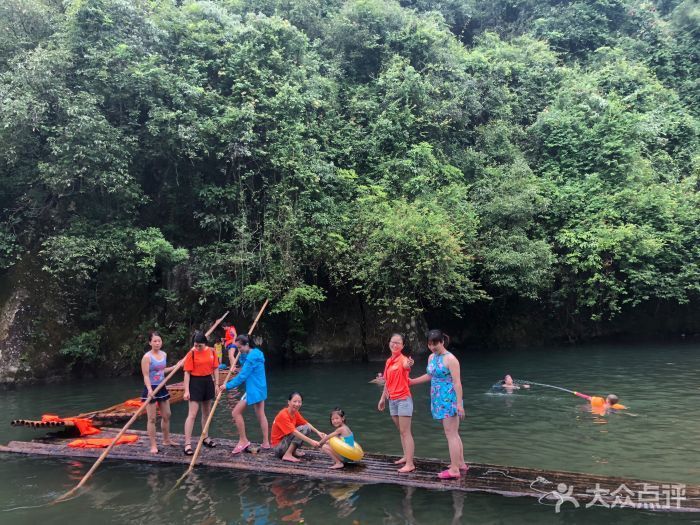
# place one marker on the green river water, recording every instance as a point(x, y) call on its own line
point(541, 428)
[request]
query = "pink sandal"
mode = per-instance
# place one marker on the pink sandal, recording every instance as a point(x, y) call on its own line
point(446, 474)
point(464, 468)
point(240, 448)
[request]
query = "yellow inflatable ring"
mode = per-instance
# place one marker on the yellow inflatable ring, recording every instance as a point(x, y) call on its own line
point(344, 450)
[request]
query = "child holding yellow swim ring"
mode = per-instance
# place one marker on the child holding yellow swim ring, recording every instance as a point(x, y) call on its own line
point(344, 435)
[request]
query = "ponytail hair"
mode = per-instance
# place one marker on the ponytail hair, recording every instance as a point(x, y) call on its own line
point(340, 412)
point(438, 336)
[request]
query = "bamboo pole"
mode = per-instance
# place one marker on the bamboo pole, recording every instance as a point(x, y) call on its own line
point(205, 430)
point(102, 411)
point(131, 421)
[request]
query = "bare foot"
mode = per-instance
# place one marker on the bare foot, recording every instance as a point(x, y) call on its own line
point(154, 450)
point(171, 444)
point(400, 461)
point(406, 469)
point(336, 465)
point(299, 454)
point(292, 459)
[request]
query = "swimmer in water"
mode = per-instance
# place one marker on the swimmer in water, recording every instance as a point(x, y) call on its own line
point(600, 405)
point(509, 385)
point(379, 380)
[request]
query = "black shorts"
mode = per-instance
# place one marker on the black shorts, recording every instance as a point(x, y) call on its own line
point(201, 388)
point(162, 395)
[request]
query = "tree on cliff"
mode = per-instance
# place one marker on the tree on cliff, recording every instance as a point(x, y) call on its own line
point(162, 160)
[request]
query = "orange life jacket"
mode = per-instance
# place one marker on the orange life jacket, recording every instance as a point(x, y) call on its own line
point(597, 402)
point(84, 425)
point(102, 442)
point(230, 335)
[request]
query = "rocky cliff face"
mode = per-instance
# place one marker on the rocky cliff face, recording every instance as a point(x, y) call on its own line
point(29, 326)
point(345, 330)
point(34, 324)
point(12, 336)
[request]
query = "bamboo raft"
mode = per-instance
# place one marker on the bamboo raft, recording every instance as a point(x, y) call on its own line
point(548, 486)
point(114, 415)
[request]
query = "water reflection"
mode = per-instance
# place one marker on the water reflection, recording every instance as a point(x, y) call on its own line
point(132, 494)
point(290, 498)
point(346, 504)
point(547, 430)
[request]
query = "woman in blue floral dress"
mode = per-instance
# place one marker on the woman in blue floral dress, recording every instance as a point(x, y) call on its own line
point(446, 402)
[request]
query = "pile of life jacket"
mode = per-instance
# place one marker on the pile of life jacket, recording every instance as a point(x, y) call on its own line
point(85, 427)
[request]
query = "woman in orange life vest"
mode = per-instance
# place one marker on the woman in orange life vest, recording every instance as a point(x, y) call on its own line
point(153, 369)
point(601, 405)
point(230, 335)
point(201, 367)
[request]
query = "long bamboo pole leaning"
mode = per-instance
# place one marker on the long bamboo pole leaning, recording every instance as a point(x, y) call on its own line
point(205, 430)
point(90, 472)
point(104, 410)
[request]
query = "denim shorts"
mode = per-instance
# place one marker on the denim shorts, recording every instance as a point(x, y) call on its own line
point(401, 407)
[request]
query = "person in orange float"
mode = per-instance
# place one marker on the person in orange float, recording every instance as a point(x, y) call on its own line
point(600, 405)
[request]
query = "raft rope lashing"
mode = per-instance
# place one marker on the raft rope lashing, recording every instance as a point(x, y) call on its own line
point(538, 479)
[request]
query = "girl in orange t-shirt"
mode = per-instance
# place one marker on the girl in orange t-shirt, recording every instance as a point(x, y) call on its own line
point(290, 430)
point(396, 390)
point(201, 366)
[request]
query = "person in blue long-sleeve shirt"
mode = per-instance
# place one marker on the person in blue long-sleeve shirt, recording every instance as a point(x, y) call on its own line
point(253, 375)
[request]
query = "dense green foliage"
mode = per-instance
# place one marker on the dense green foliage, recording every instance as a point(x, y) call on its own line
point(168, 159)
